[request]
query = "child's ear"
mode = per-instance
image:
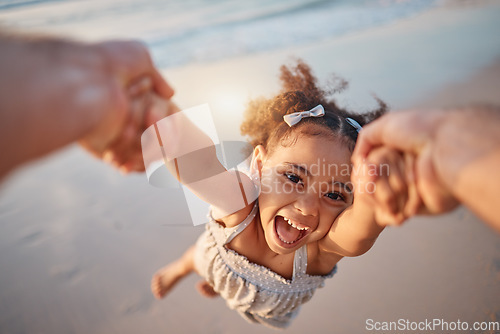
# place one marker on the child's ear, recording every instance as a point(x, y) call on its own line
point(258, 158)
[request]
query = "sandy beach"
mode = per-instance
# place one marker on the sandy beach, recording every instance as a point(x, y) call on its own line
point(79, 242)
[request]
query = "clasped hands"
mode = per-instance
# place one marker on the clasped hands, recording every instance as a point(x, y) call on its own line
point(397, 157)
point(132, 81)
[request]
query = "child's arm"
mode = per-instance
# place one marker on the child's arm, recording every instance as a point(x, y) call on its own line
point(384, 195)
point(190, 156)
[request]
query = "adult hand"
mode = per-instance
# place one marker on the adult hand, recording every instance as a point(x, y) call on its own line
point(457, 155)
point(385, 183)
point(117, 137)
point(55, 91)
point(146, 108)
point(412, 132)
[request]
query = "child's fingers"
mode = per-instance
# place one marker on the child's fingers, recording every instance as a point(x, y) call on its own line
point(139, 109)
point(384, 196)
point(363, 175)
point(414, 202)
point(391, 192)
point(385, 218)
point(132, 162)
point(125, 152)
point(127, 140)
point(140, 86)
point(135, 163)
point(130, 133)
point(140, 95)
point(397, 182)
point(125, 146)
point(159, 109)
point(389, 216)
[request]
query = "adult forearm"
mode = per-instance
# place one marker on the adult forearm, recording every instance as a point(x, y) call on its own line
point(52, 92)
point(467, 158)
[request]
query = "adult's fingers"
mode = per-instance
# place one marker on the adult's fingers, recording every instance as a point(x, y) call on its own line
point(130, 60)
point(370, 136)
point(405, 131)
point(160, 85)
point(144, 67)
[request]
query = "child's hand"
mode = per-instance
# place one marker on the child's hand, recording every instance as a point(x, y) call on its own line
point(385, 181)
point(145, 109)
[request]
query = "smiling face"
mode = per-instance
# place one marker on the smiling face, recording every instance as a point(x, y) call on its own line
point(304, 187)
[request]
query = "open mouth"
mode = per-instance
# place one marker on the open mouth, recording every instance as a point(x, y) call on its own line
point(288, 232)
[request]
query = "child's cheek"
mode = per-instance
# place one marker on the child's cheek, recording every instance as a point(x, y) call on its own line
point(266, 185)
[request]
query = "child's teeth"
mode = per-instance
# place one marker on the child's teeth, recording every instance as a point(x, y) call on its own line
point(286, 242)
point(295, 226)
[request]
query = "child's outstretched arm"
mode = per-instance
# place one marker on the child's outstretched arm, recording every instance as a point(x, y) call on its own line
point(384, 195)
point(190, 156)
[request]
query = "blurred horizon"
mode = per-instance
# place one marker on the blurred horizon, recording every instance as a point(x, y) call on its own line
point(201, 31)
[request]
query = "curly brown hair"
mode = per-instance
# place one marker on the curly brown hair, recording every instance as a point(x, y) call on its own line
point(263, 120)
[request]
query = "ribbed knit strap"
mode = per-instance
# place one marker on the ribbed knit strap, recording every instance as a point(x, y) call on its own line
point(300, 261)
point(232, 232)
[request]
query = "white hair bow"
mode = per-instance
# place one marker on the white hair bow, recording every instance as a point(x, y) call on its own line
point(354, 124)
point(294, 118)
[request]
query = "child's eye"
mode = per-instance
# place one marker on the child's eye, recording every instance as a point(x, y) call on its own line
point(293, 177)
point(336, 196)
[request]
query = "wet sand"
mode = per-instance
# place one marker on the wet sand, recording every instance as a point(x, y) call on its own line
point(79, 242)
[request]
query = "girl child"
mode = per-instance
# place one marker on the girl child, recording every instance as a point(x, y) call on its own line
point(268, 258)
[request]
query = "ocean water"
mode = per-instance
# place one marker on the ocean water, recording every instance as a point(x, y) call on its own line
point(180, 32)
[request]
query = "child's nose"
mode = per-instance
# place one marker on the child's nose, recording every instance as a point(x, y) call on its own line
point(308, 203)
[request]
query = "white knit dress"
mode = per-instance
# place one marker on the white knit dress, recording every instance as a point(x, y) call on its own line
point(256, 292)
